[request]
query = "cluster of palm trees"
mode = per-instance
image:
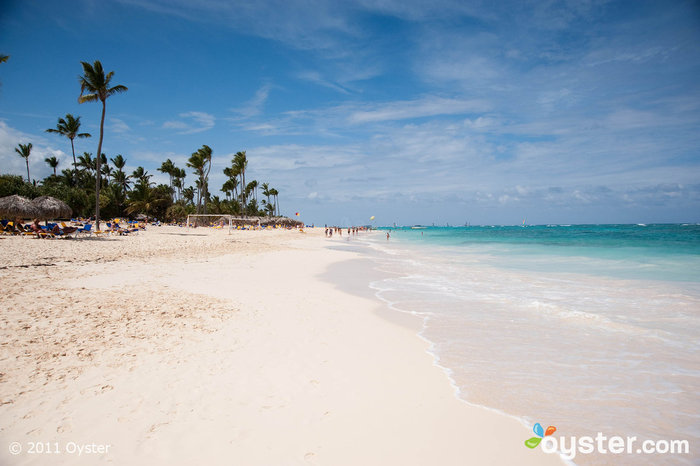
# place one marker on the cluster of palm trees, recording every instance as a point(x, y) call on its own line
point(248, 196)
point(93, 181)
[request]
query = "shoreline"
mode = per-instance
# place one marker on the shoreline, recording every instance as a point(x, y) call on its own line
point(471, 304)
point(268, 363)
point(416, 322)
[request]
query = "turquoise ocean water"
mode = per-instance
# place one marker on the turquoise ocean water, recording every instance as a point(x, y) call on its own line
point(590, 328)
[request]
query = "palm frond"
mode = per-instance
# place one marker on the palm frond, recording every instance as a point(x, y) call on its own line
point(88, 98)
point(117, 90)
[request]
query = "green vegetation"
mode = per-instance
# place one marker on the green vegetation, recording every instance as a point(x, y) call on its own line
point(93, 186)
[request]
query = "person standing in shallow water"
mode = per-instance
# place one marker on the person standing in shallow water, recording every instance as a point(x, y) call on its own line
point(387, 236)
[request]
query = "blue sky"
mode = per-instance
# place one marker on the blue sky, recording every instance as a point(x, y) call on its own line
point(411, 111)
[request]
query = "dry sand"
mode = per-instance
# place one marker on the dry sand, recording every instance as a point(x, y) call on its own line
point(180, 346)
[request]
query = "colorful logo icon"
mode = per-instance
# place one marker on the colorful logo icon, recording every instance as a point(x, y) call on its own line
point(540, 432)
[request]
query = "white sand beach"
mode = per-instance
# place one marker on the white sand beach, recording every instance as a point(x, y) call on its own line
point(179, 346)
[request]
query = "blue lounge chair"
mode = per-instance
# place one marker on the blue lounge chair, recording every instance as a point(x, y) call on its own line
point(87, 229)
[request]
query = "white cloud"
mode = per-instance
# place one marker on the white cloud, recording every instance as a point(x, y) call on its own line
point(316, 78)
point(425, 107)
point(192, 122)
point(12, 163)
point(256, 104)
point(118, 126)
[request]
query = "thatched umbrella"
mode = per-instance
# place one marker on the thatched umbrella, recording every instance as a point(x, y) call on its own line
point(49, 208)
point(17, 207)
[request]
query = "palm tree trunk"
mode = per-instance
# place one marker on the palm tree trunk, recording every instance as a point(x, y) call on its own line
point(98, 175)
point(75, 164)
point(27, 160)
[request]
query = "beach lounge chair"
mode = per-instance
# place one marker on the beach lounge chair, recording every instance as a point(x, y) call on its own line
point(67, 230)
point(6, 228)
point(101, 232)
point(87, 229)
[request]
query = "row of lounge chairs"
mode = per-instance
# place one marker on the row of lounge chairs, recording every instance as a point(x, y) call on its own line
point(55, 230)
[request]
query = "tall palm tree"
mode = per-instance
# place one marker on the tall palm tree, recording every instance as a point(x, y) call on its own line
point(240, 162)
point(200, 161)
point(266, 191)
point(274, 193)
point(23, 150)
point(53, 163)
point(169, 168)
point(232, 173)
point(196, 161)
point(179, 175)
point(69, 128)
point(104, 169)
point(94, 86)
point(253, 186)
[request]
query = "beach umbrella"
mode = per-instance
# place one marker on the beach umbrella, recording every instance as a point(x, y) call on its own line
point(15, 206)
point(49, 208)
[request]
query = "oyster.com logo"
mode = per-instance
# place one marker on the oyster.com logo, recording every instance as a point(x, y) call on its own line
point(532, 442)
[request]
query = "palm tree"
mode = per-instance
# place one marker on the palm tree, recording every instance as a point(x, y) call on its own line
point(179, 175)
point(86, 162)
point(169, 168)
point(188, 194)
point(216, 206)
point(274, 193)
point(253, 186)
point(120, 178)
point(23, 150)
point(232, 173)
point(142, 176)
point(266, 191)
point(96, 83)
point(229, 187)
point(67, 177)
point(53, 163)
point(105, 169)
point(146, 200)
point(240, 162)
point(118, 161)
point(69, 128)
point(270, 208)
point(200, 161)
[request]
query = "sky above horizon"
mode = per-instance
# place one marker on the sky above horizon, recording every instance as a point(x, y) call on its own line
point(416, 113)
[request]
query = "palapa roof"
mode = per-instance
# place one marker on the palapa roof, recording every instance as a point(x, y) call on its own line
point(17, 207)
point(49, 208)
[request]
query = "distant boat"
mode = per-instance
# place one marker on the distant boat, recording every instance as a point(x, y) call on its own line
point(418, 227)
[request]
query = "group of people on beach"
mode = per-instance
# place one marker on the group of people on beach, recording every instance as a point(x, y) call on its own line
point(352, 231)
point(35, 227)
